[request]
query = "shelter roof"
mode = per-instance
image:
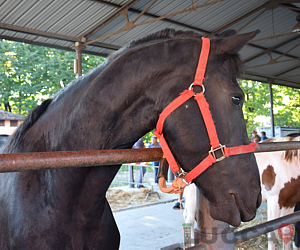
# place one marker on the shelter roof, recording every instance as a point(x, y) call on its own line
point(5, 115)
point(105, 26)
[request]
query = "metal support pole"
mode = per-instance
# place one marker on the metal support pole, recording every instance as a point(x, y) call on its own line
point(131, 177)
point(170, 175)
point(270, 81)
point(78, 61)
point(212, 233)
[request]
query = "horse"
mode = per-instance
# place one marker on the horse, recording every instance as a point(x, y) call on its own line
point(280, 176)
point(111, 107)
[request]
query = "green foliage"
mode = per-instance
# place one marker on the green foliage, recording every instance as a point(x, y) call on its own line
point(147, 138)
point(30, 74)
point(286, 104)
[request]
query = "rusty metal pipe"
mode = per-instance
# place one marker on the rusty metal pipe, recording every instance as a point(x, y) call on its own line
point(252, 232)
point(64, 159)
point(277, 146)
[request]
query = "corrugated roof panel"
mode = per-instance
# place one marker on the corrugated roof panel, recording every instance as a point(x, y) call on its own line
point(31, 11)
point(80, 19)
point(265, 24)
point(269, 68)
point(45, 14)
point(7, 9)
point(248, 51)
point(291, 48)
point(227, 13)
point(19, 11)
point(76, 18)
point(293, 74)
point(263, 59)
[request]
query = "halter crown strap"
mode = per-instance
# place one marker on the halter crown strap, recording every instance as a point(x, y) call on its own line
point(199, 77)
point(208, 120)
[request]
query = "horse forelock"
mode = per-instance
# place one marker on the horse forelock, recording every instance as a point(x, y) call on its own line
point(14, 140)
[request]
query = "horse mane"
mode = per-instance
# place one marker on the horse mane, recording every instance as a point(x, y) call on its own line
point(289, 155)
point(163, 35)
point(235, 63)
point(12, 143)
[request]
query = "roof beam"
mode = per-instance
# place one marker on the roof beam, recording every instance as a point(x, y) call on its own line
point(239, 19)
point(292, 82)
point(120, 11)
point(38, 32)
point(271, 49)
point(130, 24)
point(136, 11)
point(288, 70)
point(290, 6)
point(266, 6)
point(51, 35)
point(22, 40)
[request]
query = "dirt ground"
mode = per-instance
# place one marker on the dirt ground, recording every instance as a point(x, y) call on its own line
point(260, 242)
point(119, 199)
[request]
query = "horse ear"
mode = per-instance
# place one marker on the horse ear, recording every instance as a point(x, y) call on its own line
point(232, 44)
point(226, 33)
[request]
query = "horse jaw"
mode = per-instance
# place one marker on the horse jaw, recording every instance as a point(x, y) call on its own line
point(232, 198)
point(230, 211)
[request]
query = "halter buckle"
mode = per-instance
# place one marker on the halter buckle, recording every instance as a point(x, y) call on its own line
point(221, 148)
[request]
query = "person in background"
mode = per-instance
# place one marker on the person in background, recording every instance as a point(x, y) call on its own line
point(140, 144)
point(255, 136)
point(263, 135)
point(155, 164)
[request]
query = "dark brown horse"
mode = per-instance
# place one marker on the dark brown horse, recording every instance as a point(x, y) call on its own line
point(111, 108)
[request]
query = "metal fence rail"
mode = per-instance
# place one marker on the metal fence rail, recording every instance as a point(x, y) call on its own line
point(269, 226)
point(74, 159)
point(65, 159)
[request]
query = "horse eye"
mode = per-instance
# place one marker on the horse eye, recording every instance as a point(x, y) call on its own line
point(236, 100)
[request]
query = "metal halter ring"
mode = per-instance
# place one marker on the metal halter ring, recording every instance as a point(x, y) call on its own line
point(203, 88)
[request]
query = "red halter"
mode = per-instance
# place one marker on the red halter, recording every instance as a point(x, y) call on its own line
point(209, 123)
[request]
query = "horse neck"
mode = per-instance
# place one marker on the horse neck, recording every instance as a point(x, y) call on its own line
point(114, 110)
point(124, 101)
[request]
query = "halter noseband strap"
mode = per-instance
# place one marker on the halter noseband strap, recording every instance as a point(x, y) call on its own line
point(209, 123)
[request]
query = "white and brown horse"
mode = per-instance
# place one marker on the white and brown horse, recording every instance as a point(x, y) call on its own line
point(280, 181)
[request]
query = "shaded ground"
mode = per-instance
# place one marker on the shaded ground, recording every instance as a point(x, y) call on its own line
point(157, 226)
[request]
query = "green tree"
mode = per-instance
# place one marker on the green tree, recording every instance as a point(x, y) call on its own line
point(30, 74)
point(286, 104)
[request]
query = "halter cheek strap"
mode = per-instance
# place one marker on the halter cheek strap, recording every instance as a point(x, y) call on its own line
point(208, 120)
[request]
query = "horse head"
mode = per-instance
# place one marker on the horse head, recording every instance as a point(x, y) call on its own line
point(231, 185)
